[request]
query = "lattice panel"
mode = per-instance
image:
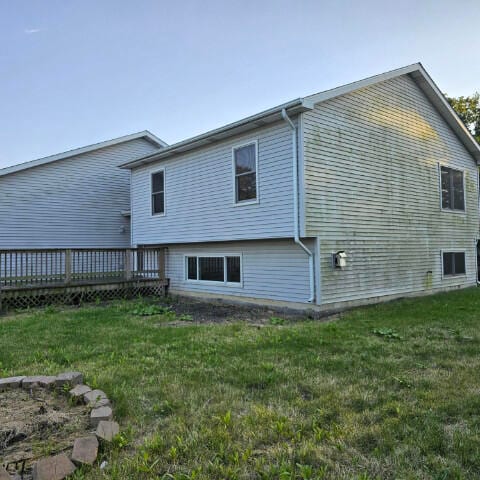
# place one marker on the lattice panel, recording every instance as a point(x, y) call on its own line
point(42, 298)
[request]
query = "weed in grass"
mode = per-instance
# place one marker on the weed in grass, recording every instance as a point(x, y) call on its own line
point(276, 321)
point(387, 333)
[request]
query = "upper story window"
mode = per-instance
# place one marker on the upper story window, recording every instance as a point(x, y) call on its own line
point(158, 193)
point(245, 165)
point(453, 196)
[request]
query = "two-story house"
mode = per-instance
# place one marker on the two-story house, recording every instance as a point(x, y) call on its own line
point(365, 192)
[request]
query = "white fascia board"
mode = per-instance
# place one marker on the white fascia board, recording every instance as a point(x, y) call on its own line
point(78, 151)
point(212, 136)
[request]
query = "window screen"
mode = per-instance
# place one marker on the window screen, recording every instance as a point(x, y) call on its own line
point(233, 269)
point(454, 263)
point(211, 269)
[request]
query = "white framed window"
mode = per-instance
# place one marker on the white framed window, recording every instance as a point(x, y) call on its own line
point(452, 189)
point(245, 173)
point(158, 192)
point(219, 269)
point(453, 263)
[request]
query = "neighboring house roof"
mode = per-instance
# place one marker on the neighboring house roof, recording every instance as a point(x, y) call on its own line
point(89, 148)
point(416, 71)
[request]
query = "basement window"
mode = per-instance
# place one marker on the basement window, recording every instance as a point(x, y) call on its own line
point(453, 263)
point(245, 161)
point(158, 193)
point(453, 194)
point(220, 269)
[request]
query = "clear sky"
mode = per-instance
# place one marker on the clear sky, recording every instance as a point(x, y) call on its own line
point(76, 72)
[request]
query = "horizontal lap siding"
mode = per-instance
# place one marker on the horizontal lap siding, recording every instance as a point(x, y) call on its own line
point(76, 202)
point(199, 194)
point(275, 270)
point(372, 189)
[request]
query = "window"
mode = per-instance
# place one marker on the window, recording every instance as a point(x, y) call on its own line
point(245, 164)
point(225, 269)
point(452, 189)
point(453, 263)
point(158, 193)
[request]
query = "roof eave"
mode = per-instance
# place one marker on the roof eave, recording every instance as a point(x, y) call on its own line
point(249, 123)
point(147, 135)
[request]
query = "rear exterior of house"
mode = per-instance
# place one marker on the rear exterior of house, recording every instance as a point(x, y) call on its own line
point(79, 199)
point(380, 172)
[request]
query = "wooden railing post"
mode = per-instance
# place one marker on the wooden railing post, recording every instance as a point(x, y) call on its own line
point(161, 264)
point(128, 264)
point(68, 266)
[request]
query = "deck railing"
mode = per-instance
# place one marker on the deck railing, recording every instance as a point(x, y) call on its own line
point(79, 266)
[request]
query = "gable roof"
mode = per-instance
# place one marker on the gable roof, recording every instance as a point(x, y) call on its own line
point(416, 72)
point(78, 151)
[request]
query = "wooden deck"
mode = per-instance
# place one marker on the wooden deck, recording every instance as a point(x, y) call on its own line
point(79, 273)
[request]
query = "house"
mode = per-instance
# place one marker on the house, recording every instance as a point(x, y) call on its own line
point(362, 193)
point(74, 199)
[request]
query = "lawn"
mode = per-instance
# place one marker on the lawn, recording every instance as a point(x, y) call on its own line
point(389, 391)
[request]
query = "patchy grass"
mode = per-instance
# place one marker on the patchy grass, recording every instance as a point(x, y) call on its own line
point(391, 391)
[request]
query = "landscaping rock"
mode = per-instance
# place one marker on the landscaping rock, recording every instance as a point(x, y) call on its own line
point(99, 414)
point(10, 382)
point(106, 430)
point(85, 450)
point(69, 378)
point(96, 398)
point(39, 380)
point(53, 468)
point(78, 392)
point(4, 475)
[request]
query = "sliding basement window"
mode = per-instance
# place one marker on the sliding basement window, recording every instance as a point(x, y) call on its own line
point(222, 269)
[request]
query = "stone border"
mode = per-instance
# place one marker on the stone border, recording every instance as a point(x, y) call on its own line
point(85, 449)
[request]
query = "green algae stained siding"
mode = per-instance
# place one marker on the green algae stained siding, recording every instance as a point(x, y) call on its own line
point(371, 175)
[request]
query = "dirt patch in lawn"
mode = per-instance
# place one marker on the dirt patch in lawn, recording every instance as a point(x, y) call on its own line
point(203, 312)
point(37, 423)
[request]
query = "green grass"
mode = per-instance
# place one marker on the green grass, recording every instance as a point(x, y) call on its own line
point(390, 391)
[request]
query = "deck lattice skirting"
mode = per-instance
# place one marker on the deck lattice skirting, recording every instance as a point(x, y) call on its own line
point(49, 276)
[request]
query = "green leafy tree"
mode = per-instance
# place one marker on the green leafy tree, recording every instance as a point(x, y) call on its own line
point(468, 109)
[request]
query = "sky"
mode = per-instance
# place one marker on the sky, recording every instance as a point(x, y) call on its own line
point(77, 72)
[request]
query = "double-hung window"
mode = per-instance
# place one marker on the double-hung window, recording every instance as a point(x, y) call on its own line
point(245, 170)
point(224, 269)
point(158, 193)
point(453, 196)
point(453, 263)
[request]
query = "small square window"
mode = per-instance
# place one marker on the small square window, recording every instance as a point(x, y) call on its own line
point(454, 263)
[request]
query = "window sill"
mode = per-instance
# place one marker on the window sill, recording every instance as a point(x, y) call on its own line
point(246, 202)
point(215, 283)
point(451, 210)
point(158, 215)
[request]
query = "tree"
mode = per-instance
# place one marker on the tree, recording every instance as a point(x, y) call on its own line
point(468, 109)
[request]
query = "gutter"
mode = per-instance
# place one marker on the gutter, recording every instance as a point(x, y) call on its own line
point(296, 233)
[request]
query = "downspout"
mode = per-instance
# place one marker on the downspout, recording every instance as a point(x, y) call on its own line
point(296, 233)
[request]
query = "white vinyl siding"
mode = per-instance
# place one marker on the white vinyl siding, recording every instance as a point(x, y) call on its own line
point(200, 199)
point(270, 269)
point(76, 202)
point(372, 189)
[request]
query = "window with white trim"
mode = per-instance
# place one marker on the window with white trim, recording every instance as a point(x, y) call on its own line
point(158, 193)
point(453, 196)
point(245, 165)
point(223, 269)
point(453, 263)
